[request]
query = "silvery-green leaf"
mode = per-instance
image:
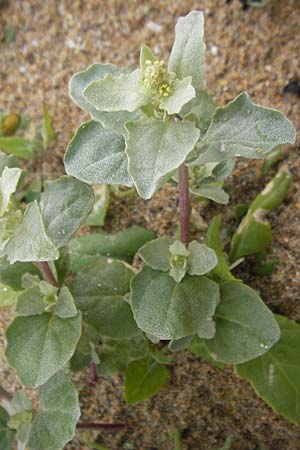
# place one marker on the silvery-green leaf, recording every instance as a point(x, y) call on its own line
point(145, 55)
point(65, 204)
point(125, 92)
point(243, 128)
point(178, 249)
point(79, 81)
point(96, 155)
point(19, 403)
point(90, 248)
point(38, 346)
point(202, 259)
point(213, 240)
point(29, 280)
point(275, 375)
point(97, 216)
point(116, 354)
point(7, 435)
point(188, 52)
point(54, 426)
point(180, 344)
point(8, 296)
point(182, 92)
point(8, 185)
point(177, 273)
point(65, 305)
point(245, 327)
point(171, 310)
point(31, 302)
point(156, 253)
point(155, 149)
point(200, 109)
point(99, 291)
point(7, 161)
point(12, 274)
point(212, 191)
point(30, 241)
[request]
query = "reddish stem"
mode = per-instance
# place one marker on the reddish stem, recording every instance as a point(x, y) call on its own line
point(45, 270)
point(184, 204)
point(93, 372)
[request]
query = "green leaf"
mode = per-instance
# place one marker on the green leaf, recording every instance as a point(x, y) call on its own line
point(30, 241)
point(188, 52)
point(11, 274)
point(123, 245)
point(180, 344)
point(8, 185)
point(254, 233)
point(8, 296)
point(275, 376)
point(200, 109)
point(96, 155)
point(202, 259)
point(171, 310)
point(245, 327)
point(97, 216)
point(116, 355)
point(39, 346)
point(99, 291)
point(155, 149)
point(65, 204)
point(182, 92)
point(243, 128)
point(65, 306)
point(178, 261)
point(83, 354)
point(31, 302)
point(125, 92)
point(144, 379)
point(79, 81)
point(19, 403)
point(198, 347)
point(145, 55)
point(156, 253)
point(213, 240)
point(55, 425)
point(212, 191)
point(255, 237)
point(7, 435)
point(18, 146)
point(7, 161)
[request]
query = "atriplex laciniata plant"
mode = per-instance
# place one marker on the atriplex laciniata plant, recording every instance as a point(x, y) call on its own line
point(78, 302)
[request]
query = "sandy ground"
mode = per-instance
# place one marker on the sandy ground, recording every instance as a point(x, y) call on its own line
point(257, 51)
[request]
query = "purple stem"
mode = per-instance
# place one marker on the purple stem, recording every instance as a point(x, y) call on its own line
point(93, 373)
point(184, 204)
point(45, 270)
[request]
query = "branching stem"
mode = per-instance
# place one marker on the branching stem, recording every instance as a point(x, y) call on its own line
point(5, 395)
point(184, 204)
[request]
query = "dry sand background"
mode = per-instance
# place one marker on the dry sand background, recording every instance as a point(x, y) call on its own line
point(257, 51)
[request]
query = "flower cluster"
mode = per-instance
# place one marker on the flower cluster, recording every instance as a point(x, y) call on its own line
point(156, 76)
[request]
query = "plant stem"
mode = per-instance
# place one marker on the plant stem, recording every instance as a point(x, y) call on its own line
point(93, 372)
point(4, 395)
point(47, 273)
point(101, 426)
point(177, 440)
point(184, 204)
